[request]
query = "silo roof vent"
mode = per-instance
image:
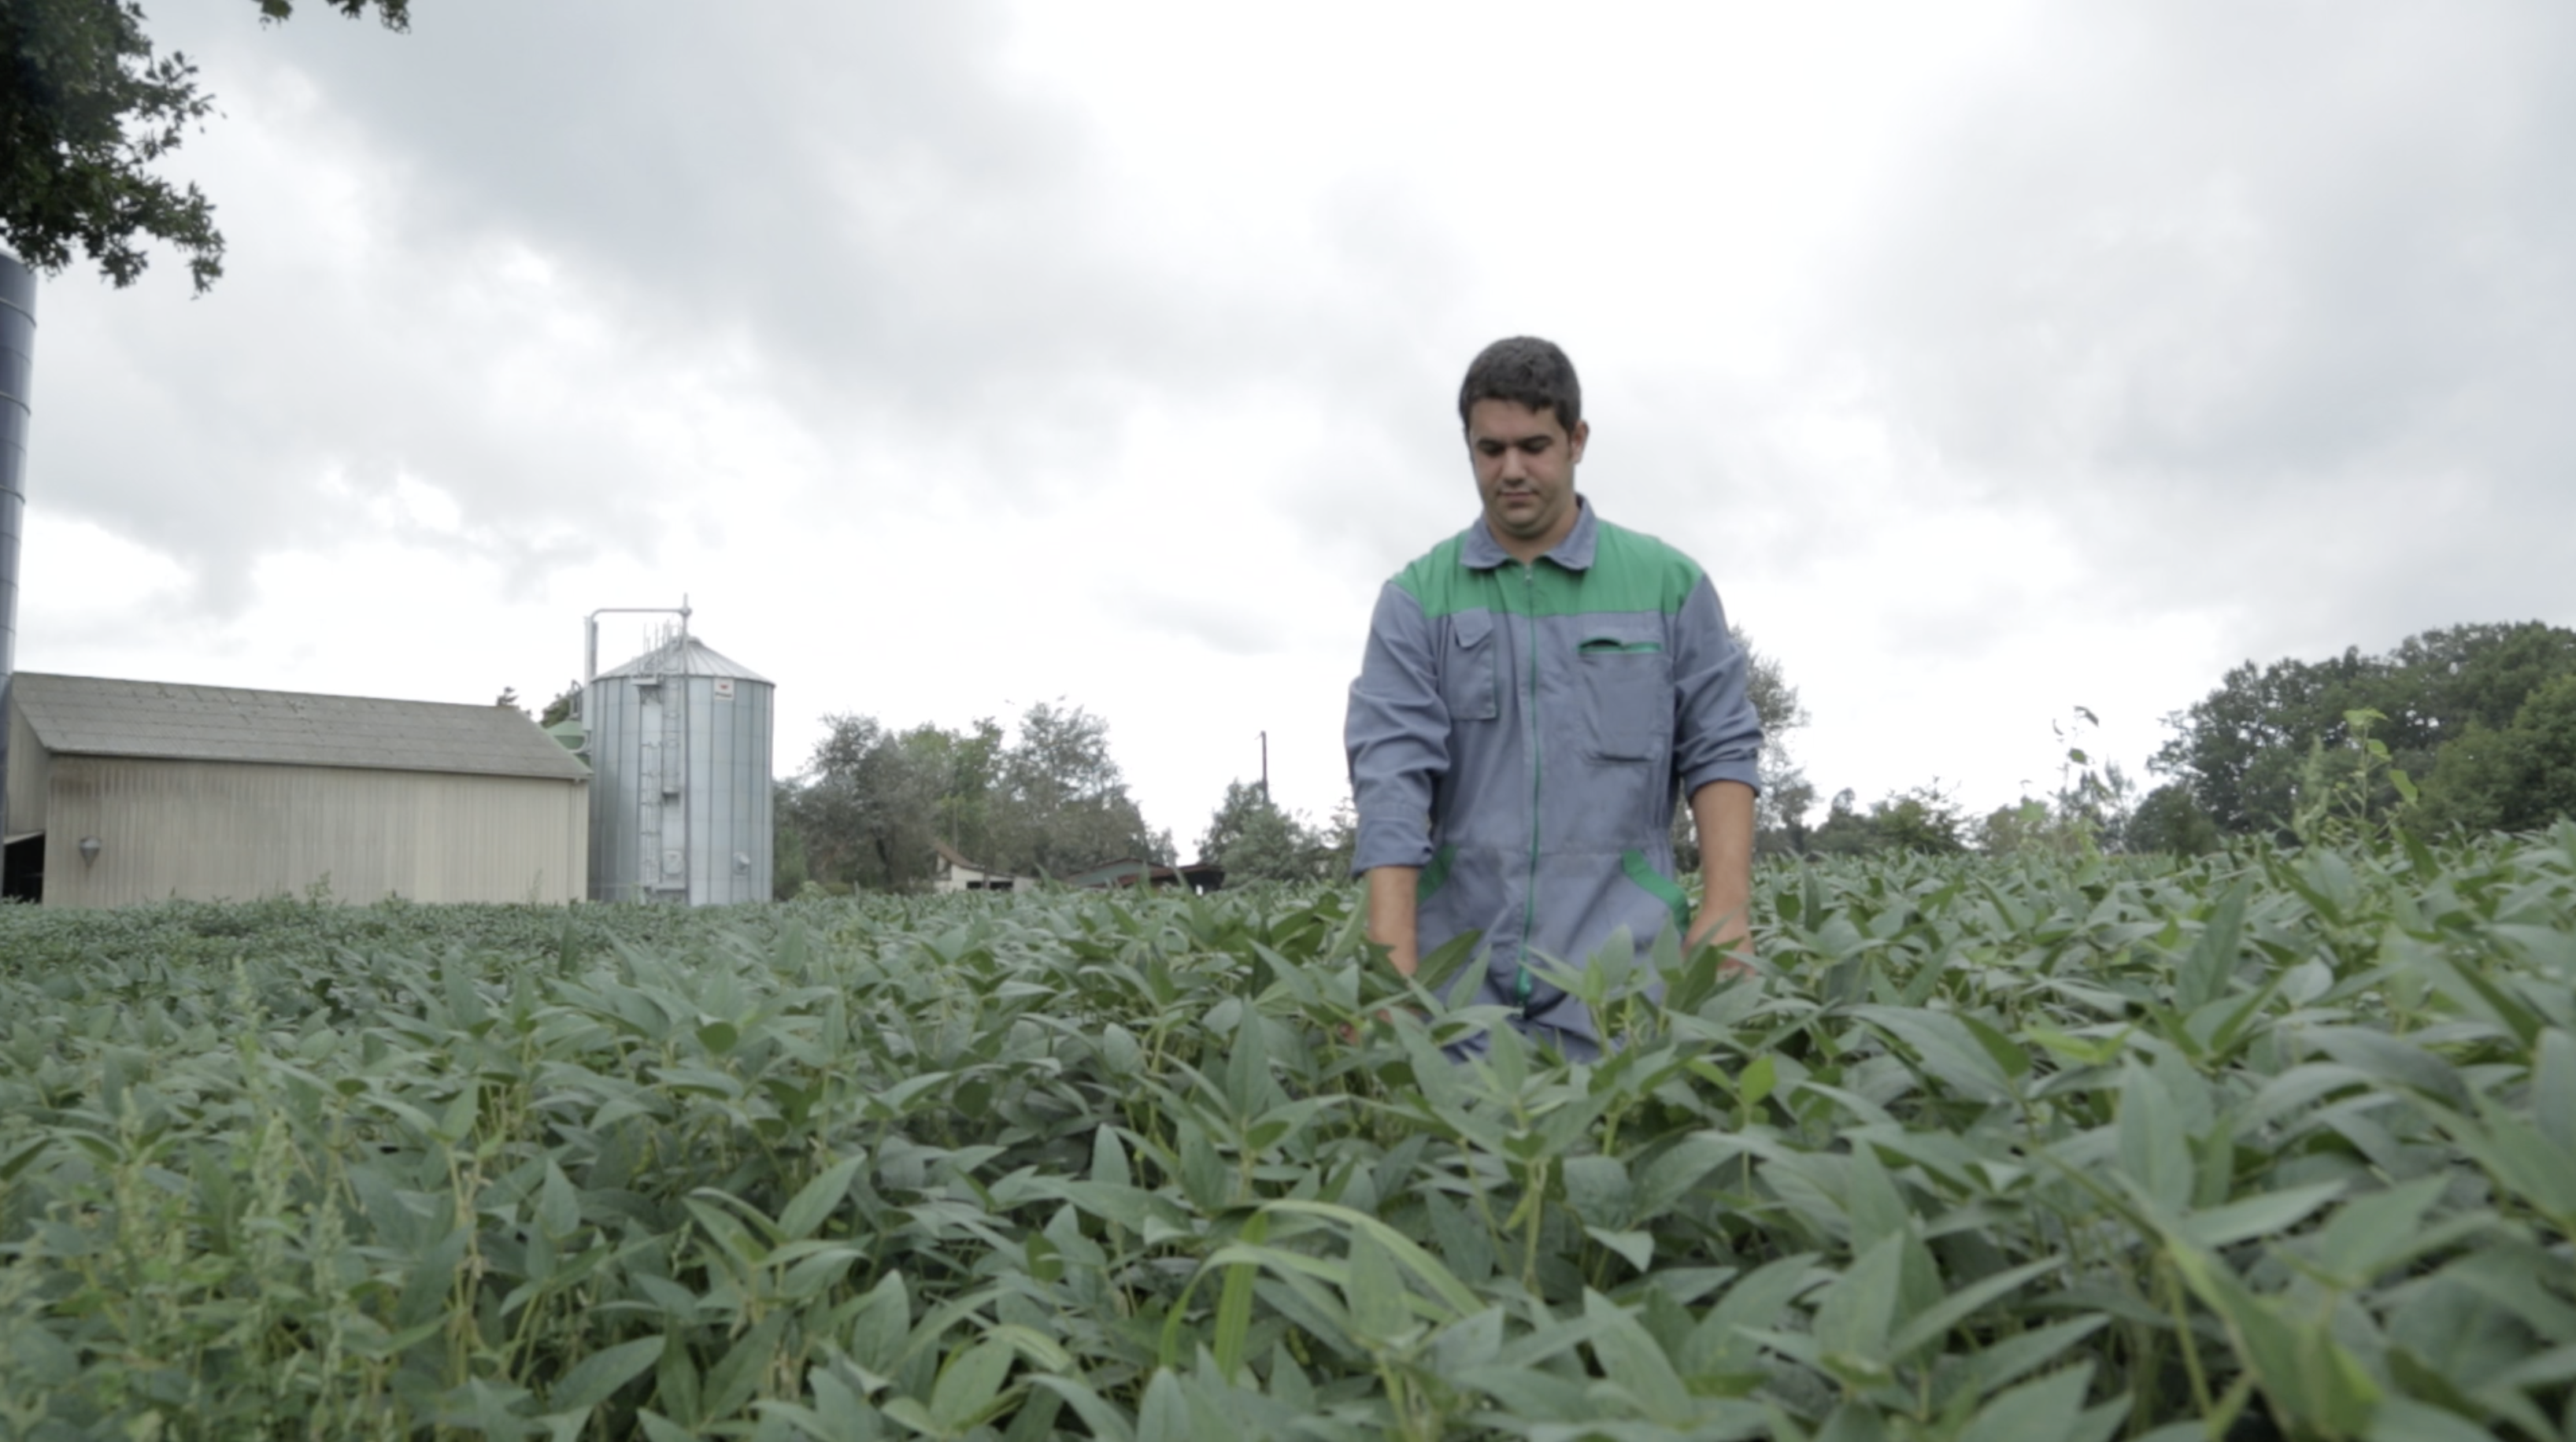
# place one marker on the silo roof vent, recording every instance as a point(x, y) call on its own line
point(687, 656)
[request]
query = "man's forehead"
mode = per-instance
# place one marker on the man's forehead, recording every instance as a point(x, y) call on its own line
point(1494, 419)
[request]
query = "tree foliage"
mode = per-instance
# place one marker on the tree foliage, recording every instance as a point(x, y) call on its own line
point(2519, 778)
point(2244, 749)
point(564, 706)
point(1922, 821)
point(1780, 812)
point(2170, 822)
point(1252, 838)
point(873, 803)
point(2089, 812)
point(87, 108)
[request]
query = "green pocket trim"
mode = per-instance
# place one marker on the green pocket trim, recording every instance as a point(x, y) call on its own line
point(1604, 646)
point(1643, 872)
point(1435, 875)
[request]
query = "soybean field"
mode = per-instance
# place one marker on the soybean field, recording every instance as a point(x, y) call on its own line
point(2273, 1144)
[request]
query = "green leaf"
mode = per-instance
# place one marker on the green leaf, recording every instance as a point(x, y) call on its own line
point(1108, 1160)
point(2264, 1214)
point(1105, 1421)
point(1598, 1189)
point(2368, 1235)
point(558, 1204)
point(1375, 1292)
point(1234, 1303)
point(1460, 1301)
point(733, 1381)
point(2202, 976)
point(596, 1377)
point(1753, 1303)
point(881, 1325)
point(1755, 1084)
point(1854, 1314)
point(1634, 1363)
point(967, 1385)
point(815, 1202)
point(2024, 1352)
point(2154, 1152)
point(2553, 1089)
point(456, 1120)
point(1935, 1322)
point(1949, 1052)
point(1637, 1247)
point(2046, 1410)
point(2402, 1419)
point(1673, 1173)
point(1248, 1088)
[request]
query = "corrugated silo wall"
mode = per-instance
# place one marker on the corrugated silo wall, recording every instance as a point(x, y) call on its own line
point(730, 835)
point(614, 835)
point(725, 790)
point(17, 351)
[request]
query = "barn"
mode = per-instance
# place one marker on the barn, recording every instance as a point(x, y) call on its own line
point(129, 791)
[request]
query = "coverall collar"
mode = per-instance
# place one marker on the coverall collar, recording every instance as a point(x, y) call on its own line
point(1483, 553)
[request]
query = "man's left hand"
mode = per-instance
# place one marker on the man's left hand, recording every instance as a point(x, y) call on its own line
point(1728, 933)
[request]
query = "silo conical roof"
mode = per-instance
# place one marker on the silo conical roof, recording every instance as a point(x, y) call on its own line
point(693, 658)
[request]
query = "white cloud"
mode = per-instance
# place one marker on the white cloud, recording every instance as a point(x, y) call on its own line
point(1995, 360)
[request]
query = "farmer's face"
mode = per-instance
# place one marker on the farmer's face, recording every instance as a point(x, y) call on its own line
point(1525, 465)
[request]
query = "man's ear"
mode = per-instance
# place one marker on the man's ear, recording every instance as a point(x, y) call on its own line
point(1574, 442)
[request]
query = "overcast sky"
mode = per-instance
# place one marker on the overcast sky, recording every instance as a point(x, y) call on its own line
point(1994, 358)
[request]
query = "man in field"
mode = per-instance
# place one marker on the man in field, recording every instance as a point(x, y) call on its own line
point(1535, 689)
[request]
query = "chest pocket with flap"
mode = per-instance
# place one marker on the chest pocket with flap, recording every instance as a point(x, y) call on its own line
point(1626, 681)
point(1471, 668)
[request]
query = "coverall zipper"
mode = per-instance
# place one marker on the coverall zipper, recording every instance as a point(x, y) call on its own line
point(1529, 901)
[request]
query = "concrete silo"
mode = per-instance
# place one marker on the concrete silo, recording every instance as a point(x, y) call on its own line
point(680, 800)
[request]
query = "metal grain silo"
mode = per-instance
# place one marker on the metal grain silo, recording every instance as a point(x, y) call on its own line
point(680, 800)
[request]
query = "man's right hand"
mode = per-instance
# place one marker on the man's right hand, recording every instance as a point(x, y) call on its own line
point(1391, 916)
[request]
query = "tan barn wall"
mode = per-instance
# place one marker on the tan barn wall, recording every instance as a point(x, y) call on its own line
point(229, 830)
point(27, 766)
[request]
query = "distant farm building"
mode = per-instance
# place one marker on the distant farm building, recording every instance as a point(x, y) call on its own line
point(129, 791)
point(950, 871)
point(1200, 876)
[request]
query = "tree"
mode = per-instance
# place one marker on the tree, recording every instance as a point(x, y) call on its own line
point(1924, 820)
point(2519, 778)
point(2243, 749)
point(873, 803)
point(86, 108)
point(2170, 821)
point(564, 707)
point(2087, 814)
point(1062, 803)
point(789, 871)
point(1780, 812)
point(1253, 839)
point(865, 807)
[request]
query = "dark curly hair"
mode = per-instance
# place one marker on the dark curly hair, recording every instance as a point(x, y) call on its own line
point(1528, 371)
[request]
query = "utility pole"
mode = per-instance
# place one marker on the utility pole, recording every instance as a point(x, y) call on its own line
point(17, 347)
point(1265, 767)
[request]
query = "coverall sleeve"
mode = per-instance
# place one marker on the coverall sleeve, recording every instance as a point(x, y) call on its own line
point(1397, 735)
point(1717, 736)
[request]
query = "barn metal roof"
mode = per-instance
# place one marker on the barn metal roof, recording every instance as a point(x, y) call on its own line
point(92, 716)
point(695, 658)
